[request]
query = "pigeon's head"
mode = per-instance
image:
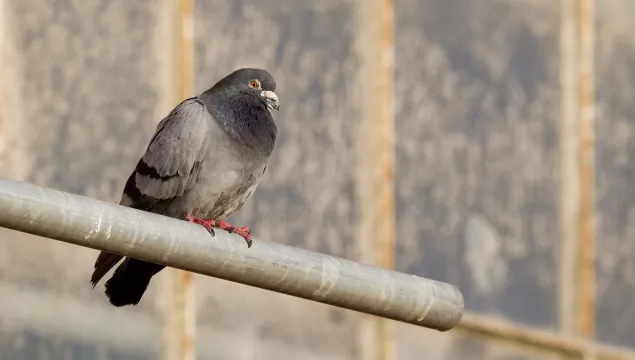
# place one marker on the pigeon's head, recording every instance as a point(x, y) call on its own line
point(251, 83)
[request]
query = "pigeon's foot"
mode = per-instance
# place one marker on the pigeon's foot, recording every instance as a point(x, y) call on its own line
point(207, 224)
point(244, 231)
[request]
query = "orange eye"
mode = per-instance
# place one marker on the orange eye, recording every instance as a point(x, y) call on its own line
point(254, 84)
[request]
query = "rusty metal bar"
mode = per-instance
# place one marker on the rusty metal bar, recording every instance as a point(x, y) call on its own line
point(569, 191)
point(180, 334)
point(376, 157)
point(185, 67)
point(386, 220)
point(577, 188)
point(587, 168)
point(268, 265)
point(552, 342)
point(2, 72)
point(386, 147)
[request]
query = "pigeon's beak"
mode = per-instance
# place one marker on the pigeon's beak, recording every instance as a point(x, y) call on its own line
point(271, 99)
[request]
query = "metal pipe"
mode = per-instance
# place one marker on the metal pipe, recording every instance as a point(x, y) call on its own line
point(273, 266)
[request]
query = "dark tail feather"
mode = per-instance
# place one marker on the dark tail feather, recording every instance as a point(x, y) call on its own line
point(130, 281)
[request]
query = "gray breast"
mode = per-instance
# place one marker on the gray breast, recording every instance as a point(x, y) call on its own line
point(229, 174)
point(220, 191)
point(228, 177)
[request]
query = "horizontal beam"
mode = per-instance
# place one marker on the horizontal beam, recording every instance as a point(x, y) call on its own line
point(268, 265)
point(539, 339)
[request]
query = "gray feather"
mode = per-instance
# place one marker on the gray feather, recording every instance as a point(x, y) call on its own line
point(169, 163)
point(167, 169)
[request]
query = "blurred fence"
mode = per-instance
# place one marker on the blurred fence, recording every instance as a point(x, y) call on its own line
point(479, 184)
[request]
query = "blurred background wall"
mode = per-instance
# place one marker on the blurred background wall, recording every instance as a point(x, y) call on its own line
point(478, 185)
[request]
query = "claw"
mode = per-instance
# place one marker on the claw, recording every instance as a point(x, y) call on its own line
point(243, 231)
point(207, 224)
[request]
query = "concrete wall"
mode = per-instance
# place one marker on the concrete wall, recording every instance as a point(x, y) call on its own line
point(477, 177)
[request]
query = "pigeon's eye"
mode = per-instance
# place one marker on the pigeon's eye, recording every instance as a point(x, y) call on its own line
point(255, 84)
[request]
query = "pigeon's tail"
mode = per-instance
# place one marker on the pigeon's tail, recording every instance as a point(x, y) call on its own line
point(130, 281)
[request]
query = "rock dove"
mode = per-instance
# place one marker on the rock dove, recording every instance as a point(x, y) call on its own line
point(203, 162)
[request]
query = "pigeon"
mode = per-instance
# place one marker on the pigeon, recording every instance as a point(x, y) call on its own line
point(204, 161)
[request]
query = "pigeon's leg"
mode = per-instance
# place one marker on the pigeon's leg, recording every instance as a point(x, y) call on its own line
point(207, 224)
point(244, 231)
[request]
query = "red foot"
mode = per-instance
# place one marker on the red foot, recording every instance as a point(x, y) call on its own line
point(244, 231)
point(207, 224)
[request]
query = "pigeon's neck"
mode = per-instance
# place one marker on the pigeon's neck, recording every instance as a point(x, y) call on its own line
point(245, 120)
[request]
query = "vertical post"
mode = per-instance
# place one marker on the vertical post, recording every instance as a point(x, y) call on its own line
point(178, 295)
point(577, 173)
point(14, 160)
point(2, 79)
point(376, 157)
point(587, 168)
point(569, 182)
